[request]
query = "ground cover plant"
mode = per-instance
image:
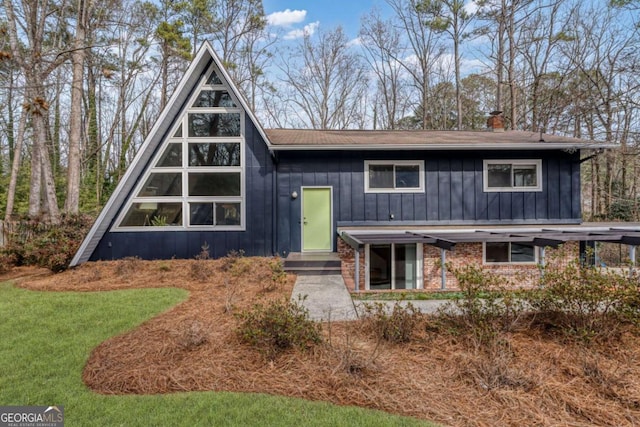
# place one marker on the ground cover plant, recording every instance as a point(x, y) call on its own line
point(493, 365)
point(48, 336)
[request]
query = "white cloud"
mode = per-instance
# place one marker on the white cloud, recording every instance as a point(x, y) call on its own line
point(471, 7)
point(355, 42)
point(308, 30)
point(286, 17)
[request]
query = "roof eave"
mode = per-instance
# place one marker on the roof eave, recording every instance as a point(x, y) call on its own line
point(440, 147)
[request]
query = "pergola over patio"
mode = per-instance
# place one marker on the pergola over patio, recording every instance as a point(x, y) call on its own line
point(447, 238)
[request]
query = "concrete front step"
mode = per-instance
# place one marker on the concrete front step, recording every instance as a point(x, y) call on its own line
point(313, 263)
point(316, 271)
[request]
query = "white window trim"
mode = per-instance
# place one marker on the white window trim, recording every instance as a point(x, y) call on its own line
point(485, 262)
point(185, 199)
point(419, 163)
point(419, 267)
point(485, 175)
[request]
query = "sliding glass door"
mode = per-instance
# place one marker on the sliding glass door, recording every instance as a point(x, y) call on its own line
point(393, 266)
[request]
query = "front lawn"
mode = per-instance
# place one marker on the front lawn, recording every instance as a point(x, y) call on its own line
point(46, 339)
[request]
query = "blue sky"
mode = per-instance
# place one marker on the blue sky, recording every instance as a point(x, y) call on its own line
point(292, 16)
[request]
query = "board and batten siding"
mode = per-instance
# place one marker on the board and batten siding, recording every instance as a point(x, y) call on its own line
point(454, 192)
point(256, 240)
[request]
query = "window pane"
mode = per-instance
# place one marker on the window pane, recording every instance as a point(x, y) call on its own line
point(214, 124)
point(171, 157)
point(214, 79)
point(201, 213)
point(380, 176)
point(380, 267)
point(524, 176)
point(153, 214)
point(407, 176)
point(521, 252)
point(227, 213)
point(214, 98)
point(499, 175)
point(210, 154)
point(405, 266)
point(162, 184)
point(497, 252)
point(178, 133)
point(214, 184)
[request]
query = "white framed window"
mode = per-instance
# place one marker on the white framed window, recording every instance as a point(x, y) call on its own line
point(197, 178)
point(393, 176)
point(512, 175)
point(509, 253)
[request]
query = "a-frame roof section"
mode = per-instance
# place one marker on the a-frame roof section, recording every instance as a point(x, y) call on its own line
point(156, 136)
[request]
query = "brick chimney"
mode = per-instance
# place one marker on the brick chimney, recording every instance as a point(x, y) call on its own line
point(495, 122)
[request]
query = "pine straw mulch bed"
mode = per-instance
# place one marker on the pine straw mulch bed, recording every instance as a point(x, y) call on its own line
point(530, 378)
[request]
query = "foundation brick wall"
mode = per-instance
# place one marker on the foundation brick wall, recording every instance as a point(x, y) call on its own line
point(520, 275)
point(348, 265)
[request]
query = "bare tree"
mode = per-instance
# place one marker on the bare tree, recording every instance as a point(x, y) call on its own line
point(380, 40)
point(451, 17)
point(326, 81)
point(36, 62)
point(72, 203)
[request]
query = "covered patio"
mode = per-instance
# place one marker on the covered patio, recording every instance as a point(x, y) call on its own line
point(446, 239)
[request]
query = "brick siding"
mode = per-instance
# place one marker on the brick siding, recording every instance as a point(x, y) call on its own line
point(521, 275)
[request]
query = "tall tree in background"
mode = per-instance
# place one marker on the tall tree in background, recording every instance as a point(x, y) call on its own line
point(174, 45)
point(542, 37)
point(36, 61)
point(449, 16)
point(502, 18)
point(381, 43)
point(423, 46)
point(84, 10)
point(327, 81)
point(199, 19)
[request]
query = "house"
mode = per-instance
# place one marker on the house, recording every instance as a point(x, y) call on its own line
point(392, 204)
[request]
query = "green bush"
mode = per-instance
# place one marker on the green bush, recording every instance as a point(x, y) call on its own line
point(278, 326)
point(487, 306)
point(396, 325)
point(46, 245)
point(586, 302)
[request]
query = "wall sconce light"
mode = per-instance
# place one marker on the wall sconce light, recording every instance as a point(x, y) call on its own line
point(294, 195)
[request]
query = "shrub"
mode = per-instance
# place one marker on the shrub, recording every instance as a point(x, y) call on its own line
point(278, 326)
point(191, 334)
point(586, 302)
point(46, 245)
point(396, 325)
point(127, 266)
point(485, 308)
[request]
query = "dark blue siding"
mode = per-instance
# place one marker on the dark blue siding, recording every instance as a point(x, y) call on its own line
point(454, 192)
point(257, 239)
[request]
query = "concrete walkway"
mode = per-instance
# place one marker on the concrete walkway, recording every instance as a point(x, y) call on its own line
point(326, 297)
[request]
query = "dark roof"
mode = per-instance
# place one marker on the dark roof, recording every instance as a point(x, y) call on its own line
point(625, 233)
point(426, 139)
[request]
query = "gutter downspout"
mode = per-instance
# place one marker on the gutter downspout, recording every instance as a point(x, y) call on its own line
point(443, 269)
point(357, 272)
point(274, 201)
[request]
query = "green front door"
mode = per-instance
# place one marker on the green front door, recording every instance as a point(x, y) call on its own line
point(316, 219)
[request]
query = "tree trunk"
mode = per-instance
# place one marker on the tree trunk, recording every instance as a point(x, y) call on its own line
point(15, 166)
point(72, 203)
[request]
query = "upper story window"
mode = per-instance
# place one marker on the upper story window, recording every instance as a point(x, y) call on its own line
point(512, 175)
point(197, 178)
point(393, 176)
point(509, 253)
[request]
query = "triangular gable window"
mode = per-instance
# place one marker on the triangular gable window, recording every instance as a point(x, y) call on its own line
point(196, 180)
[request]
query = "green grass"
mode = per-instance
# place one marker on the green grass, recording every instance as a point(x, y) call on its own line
point(46, 338)
point(407, 296)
